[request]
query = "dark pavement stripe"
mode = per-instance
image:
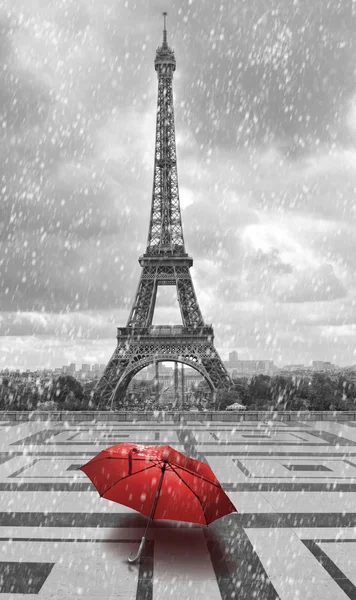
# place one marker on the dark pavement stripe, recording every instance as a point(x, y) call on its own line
point(330, 567)
point(238, 569)
point(129, 520)
point(23, 577)
point(75, 486)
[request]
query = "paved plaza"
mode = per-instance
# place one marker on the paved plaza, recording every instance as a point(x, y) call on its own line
point(294, 485)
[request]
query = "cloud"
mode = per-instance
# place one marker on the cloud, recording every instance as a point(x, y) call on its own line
point(270, 74)
point(320, 285)
point(43, 352)
point(270, 278)
point(321, 184)
point(75, 326)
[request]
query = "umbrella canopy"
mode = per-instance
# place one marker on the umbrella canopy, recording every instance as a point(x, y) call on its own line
point(129, 474)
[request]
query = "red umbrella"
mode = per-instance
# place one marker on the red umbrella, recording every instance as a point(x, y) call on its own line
point(159, 482)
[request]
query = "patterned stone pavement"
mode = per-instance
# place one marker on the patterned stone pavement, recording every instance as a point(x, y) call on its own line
point(294, 485)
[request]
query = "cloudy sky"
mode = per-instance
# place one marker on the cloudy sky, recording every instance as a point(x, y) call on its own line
point(265, 108)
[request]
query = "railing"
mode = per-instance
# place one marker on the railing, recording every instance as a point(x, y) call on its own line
point(178, 416)
point(166, 330)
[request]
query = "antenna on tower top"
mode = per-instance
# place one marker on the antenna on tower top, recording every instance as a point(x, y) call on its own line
point(165, 29)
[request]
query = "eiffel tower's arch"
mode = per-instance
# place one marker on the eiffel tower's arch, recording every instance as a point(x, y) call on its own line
point(137, 349)
point(165, 262)
point(124, 382)
point(163, 358)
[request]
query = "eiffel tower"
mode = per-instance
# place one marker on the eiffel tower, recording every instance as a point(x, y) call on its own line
point(165, 262)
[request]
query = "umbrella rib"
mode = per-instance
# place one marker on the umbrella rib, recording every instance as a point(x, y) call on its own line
point(126, 476)
point(119, 458)
point(197, 475)
point(193, 492)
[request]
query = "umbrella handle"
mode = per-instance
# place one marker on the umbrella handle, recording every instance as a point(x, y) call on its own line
point(138, 555)
point(133, 559)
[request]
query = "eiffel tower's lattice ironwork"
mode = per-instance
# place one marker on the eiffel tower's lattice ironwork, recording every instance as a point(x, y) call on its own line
point(165, 262)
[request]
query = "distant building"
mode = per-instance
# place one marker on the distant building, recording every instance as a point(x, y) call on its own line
point(140, 376)
point(320, 365)
point(86, 368)
point(233, 359)
point(150, 371)
point(251, 367)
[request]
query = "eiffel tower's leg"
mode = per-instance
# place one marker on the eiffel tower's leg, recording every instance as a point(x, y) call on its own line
point(176, 390)
point(190, 311)
point(216, 370)
point(113, 373)
point(142, 311)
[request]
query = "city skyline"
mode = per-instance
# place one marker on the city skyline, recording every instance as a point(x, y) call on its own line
point(265, 112)
point(232, 366)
